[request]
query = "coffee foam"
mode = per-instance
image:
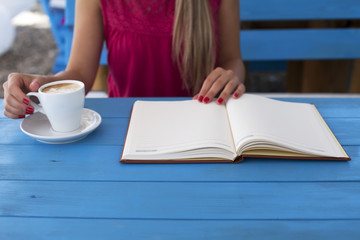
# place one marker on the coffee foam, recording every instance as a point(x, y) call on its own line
point(61, 88)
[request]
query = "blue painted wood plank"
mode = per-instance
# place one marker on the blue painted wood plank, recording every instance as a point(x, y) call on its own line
point(341, 126)
point(121, 107)
point(328, 107)
point(70, 13)
point(101, 163)
point(47, 228)
point(181, 200)
point(332, 107)
point(300, 44)
point(112, 131)
point(47, 192)
point(260, 10)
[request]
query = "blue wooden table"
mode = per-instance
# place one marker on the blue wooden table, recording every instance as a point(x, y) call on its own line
point(81, 191)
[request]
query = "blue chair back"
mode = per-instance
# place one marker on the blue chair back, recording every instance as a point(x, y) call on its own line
point(299, 44)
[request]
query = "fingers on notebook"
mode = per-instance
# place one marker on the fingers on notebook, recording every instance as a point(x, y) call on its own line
point(222, 83)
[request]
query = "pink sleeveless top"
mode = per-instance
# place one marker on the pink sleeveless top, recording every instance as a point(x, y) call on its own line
point(138, 35)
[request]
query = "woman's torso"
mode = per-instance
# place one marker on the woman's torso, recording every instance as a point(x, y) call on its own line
point(138, 35)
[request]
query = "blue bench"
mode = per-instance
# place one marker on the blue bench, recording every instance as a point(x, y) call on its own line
point(319, 37)
point(300, 44)
point(273, 44)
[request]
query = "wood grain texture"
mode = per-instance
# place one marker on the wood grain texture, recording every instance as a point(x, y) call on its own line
point(60, 228)
point(81, 191)
point(259, 10)
point(182, 200)
point(76, 162)
point(112, 131)
point(300, 44)
point(323, 38)
point(328, 107)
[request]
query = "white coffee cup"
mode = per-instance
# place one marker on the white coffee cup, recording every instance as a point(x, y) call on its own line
point(62, 102)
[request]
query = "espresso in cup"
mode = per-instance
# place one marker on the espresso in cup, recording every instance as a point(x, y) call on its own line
point(61, 88)
point(62, 102)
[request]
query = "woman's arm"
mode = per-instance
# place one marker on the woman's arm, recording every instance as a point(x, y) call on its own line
point(87, 43)
point(229, 76)
point(83, 63)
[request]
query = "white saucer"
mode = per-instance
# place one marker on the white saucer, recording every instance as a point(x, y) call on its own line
point(38, 127)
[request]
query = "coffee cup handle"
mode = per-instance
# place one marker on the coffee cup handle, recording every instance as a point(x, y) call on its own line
point(36, 106)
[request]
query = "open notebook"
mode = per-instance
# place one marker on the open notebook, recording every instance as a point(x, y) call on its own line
point(251, 126)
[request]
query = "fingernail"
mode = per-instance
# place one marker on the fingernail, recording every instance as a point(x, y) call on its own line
point(21, 116)
point(26, 101)
point(236, 95)
point(29, 110)
point(220, 101)
point(200, 98)
point(206, 100)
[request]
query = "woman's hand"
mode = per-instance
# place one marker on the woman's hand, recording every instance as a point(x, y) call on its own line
point(222, 82)
point(228, 79)
point(16, 103)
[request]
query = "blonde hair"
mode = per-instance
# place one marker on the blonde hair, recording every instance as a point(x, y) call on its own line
point(193, 42)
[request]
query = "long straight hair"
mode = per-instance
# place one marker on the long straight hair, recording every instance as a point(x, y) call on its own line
point(193, 42)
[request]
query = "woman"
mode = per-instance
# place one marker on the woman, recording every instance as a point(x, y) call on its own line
point(155, 48)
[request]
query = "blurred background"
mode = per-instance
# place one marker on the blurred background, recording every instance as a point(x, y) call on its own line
point(35, 39)
point(26, 41)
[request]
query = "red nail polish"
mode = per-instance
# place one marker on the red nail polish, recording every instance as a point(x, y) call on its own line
point(236, 95)
point(206, 100)
point(29, 110)
point(26, 101)
point(200, 98)
point(220, 101)
point(21, 116)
